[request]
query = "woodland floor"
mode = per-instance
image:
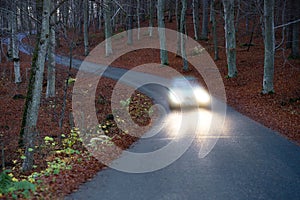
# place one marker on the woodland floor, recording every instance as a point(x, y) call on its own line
point(279, 111)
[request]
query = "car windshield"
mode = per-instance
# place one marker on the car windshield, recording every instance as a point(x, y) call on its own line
point(184, 82)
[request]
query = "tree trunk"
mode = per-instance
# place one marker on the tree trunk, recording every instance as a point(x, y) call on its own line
point(161, 32)
point(178, 14)
point(183, 36)
point(50, 91)
point(170, 18)
point(214, 30)
point(196, 18)
point(32, 104)
point(99, 16)
point(130, 24)
point(138, 18)
point(230, 37)
point(108, 28)
point(86, 26)
point(295, 30)
point(237, 16)
point(295, 41)
point(204, 34)
point(38, 15)
point(269, 40)
point(9, 42)
point(15, 46)
point(151, 23)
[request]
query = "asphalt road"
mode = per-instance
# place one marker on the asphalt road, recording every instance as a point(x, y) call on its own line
point(248, 161)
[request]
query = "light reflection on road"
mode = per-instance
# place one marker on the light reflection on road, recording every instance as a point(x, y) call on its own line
point(196, 123)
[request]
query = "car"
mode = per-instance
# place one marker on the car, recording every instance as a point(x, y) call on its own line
point(187, 92)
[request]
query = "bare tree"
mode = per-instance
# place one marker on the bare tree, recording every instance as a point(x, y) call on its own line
point(196, 18)
point(230, 37)
point(32, 104)
point(108, 28)
point(50, 90)
point(151, 23)
point(269, 40)
point(130, 23)
point(204, 34)
point(214, 29)
point(183, 36)
point(178, 17)
point(161, 32)
point(295, 30)
point(86, 26)
point(15, 44)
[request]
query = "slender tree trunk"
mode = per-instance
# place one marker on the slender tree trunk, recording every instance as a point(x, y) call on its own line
point(295, 30)
point(237, 19)
point(183, 36)
point(15, 46)
point(130, 24)
point(230, 37)
point(214, 30)
point(161, 32)
point(99, 17)
point(108, 28)
point(170, 18)
point(138, 18)
point(9, 42)
point(50, 91)
point(295, 41)
point(151, 23)
point(196, 18)
point(204, 34)
point(269, 40)
point(178, 14)
point(86, 26)
point(34, 91)
point(38, 15)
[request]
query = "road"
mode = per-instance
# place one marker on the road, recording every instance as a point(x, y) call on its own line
point(248, 161)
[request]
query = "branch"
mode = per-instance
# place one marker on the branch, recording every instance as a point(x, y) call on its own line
point(287, 24)
point(57, 7)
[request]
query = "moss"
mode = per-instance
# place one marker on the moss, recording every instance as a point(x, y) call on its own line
point(29, 93)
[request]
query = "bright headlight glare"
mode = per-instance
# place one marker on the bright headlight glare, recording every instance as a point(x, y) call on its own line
point(173, 98)
point(201, 95)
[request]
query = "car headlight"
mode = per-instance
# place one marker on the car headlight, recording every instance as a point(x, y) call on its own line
point(173, 98)
point(201, 95)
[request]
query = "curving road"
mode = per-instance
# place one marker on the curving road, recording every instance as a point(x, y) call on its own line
point(248, 161)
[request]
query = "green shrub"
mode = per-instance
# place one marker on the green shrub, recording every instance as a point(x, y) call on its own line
point(9, 185)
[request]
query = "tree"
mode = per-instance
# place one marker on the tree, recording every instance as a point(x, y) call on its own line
point(108, 28)
point(196, 18)
point(151, 23)
point(86, 26)
point(230, 37)
point(269, 41)
point(295, 30)
point(32, 104)
point(170, 13)
point(204, 34)
point(161, 32)
point(178, 16)
point(15, 44)
point(182, 31)
point(50, 91)
point(214, 29)
point(138, 18)
point(130, 23)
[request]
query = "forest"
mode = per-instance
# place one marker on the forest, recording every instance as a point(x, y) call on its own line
point(254, 44)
